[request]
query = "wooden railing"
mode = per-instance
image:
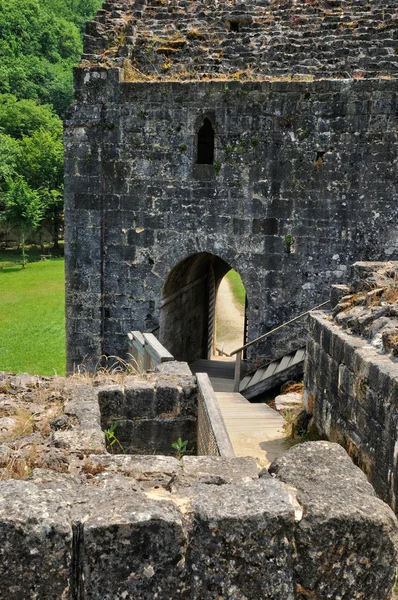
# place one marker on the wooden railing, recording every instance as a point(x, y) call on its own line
point(146, 351)
point(213, 438)
point(238, 352)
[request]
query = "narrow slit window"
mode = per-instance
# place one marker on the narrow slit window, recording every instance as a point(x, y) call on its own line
point(234, 26)
point(206, 144)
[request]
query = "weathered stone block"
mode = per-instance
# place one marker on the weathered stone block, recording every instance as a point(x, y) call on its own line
point(155, 436)
point(132, 547)
point(347, 539)
point(111, 402)
point(166, 399)
point(216, 470)
point(152, 470)
point(36, 548)
point(240, 544)
point(139, 400)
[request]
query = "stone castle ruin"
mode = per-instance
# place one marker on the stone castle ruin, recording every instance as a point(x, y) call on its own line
point(351, 374)
point(206, 135)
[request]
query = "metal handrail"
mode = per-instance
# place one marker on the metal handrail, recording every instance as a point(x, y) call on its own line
point(277, 328)
point(239, 351)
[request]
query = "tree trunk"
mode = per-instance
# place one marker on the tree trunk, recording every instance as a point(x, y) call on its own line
point(55, 230)
point(24, 258)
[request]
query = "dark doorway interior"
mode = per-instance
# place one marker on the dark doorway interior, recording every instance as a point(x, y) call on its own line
point(206, 143)
point(187, 317)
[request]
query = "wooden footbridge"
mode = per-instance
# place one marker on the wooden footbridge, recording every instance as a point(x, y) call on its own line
point(254, 429)
point(243, 428)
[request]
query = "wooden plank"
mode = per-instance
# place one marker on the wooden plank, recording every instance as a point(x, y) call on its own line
point(155, 349)
point(245, 382)
point(254, 429)
point(283, 363)
point(273, 381)
point(221, 372)
point(238, 362)
point(211, 312)
point(298, 357)
point(137, 340)
point(270, 369)
point(215, 416)
point(258, 375)
point(232, 398)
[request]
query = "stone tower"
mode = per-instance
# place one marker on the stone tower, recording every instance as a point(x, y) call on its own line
point(208, 135)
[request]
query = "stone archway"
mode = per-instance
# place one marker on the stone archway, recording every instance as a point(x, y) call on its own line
point(187, 309)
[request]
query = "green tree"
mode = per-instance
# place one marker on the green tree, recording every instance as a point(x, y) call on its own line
point(9, 154)
point(38, 46)
point(23, 117)
point(23, 208)
point(41, 164)
point(40, 42)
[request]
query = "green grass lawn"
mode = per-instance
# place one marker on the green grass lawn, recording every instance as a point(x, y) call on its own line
point(237, 287)
point(32, 320)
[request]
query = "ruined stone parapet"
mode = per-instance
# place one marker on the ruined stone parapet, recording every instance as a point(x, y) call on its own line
point(346, 537)
point(163, 39)
point(351, 388)
point(117, 526)
point(198, 529)
point(150, 414)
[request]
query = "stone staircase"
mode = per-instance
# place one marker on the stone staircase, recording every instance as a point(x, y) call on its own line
point(180, 39)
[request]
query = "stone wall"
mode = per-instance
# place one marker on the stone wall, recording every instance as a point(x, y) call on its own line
point(82, 523)
point(303, 184)
point(178, 39)
point(352, 391)
point(198, 529)
point(151, 415)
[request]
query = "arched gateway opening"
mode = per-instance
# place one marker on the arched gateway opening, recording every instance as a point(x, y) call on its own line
point(187, 310)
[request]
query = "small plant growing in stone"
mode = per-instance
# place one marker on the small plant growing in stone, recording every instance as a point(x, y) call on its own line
point(166, 65)
point(217, 167)
point(195, 34)
point(111, 438)
point(288, 243)
point(180, 447)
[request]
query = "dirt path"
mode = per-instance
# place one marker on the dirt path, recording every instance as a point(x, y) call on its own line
point(229, 319)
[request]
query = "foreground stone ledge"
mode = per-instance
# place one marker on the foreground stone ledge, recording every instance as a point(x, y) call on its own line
point(241, 542)
point(216, 470)
point(347, 539)
point(203, 528)
point(36, 547)
point(132, 547)
point(85, 435)
point(149, 471)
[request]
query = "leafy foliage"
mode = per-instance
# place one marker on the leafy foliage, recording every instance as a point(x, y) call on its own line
point(40, 42)
point(24, 117)
point(111, 438)
point(181, 448)
point(22, 205)
point(23, 208)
